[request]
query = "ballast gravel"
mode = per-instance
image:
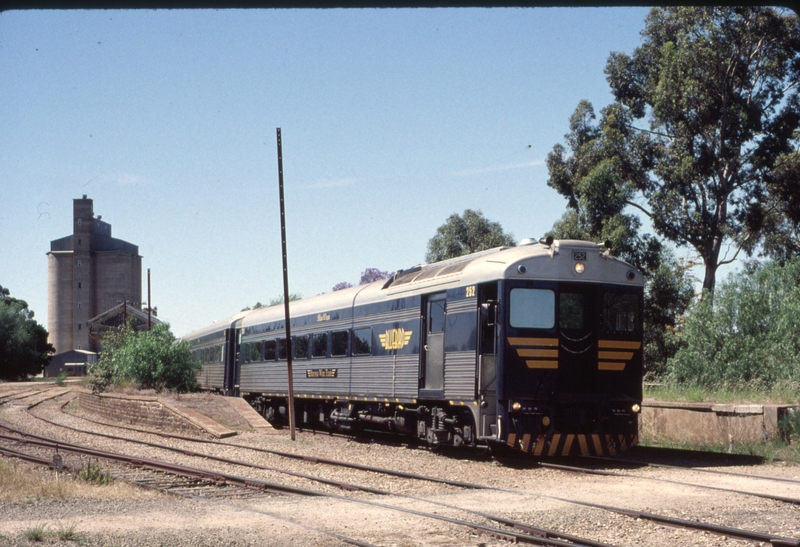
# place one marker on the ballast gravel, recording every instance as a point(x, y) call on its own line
point(525, 492)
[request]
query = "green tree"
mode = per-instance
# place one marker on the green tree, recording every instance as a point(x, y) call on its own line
point(152, 359)
point(591, 175)
point(24, 350)
point(279, 299)
point(465, 234)
point(746, 334)
point(717, 166)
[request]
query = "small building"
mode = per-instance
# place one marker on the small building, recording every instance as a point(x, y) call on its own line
point(72, 363)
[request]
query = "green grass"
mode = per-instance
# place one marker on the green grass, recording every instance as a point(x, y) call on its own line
point(41, 532)
point(786, 393)
point(776, 449)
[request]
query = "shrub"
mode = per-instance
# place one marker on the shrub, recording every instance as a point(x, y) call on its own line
point(746, 332)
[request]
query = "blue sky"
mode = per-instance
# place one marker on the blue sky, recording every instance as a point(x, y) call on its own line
point(391, 120)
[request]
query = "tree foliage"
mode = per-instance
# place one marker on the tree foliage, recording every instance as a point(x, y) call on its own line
point(747, 333)
point(717, 166)
point(24, 350)
point(464, 234)
point(151, 359)
point(369, 275)
point(279, 299)
point(592, 180)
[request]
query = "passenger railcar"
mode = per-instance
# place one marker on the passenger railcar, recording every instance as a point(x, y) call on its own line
point(537, 347)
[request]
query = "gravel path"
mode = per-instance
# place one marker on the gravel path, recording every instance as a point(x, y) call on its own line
point(264, 521)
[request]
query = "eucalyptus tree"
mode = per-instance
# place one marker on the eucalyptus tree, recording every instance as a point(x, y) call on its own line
point(703, 134)
point(464, 234)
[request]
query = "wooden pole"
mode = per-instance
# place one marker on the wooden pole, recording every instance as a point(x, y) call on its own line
point(149, 302)
point(290, 383)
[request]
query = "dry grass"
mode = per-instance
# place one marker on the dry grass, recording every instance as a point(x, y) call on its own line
point(20, 482)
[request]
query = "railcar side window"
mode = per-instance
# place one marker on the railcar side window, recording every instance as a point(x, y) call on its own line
point(282, 348)
point(255, 351)
point(436, 316)
point(362, 341)
point(570, 311)
point(269, 350)
point(319, 344)
point(533, 309)
point(339, 343)
point(300, 345)
point(620, 312)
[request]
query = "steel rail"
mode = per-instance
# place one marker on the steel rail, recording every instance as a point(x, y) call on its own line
point(37, 440)
point(715, 528)
point(731, 531)
point(745, 534)
point(528, 528)
point(349, 540)
point(571, 469)
point(697, 469)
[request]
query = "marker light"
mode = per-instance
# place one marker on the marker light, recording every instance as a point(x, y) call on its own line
point(580, 267)
point(635, 408)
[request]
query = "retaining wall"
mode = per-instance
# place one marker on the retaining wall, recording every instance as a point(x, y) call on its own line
point(150, 413)
point(711, 423)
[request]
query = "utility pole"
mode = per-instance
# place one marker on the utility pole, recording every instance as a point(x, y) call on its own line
point(149, 302)
point(289, 348)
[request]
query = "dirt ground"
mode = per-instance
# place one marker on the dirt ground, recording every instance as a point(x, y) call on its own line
point(535, 495)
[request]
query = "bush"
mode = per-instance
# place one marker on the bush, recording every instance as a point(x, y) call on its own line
point(153, 360)
point(746, 332)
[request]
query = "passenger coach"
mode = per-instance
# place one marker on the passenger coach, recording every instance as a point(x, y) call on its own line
point(537, 347)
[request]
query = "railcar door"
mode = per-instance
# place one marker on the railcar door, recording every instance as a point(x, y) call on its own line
point(432, 384)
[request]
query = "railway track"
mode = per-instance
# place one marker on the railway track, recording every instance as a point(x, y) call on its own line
point(515, 530)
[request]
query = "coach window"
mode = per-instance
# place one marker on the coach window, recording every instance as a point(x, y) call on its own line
point(282, 349)
point(219, 354)
point(300, 347)
point(269, 350)
point(255, 352)
point(620, 312)
point(339, 343)
point(362, 341)
point(533, 309)
point(436, 317)
point(319, 344)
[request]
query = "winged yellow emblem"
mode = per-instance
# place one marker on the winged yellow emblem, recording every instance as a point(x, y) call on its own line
point(395, 338)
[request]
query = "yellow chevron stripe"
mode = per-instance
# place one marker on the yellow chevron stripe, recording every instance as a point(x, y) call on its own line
point(549, 342)
point(584, 445)
point(568, 445)
point(554, 444)
point(618, 344)
point(539, 446)
point(621, 355)
point(512, 439)
point(598, 447)
point(522, 352)
point(603, 365)
point(526, 442)
point(542, 364)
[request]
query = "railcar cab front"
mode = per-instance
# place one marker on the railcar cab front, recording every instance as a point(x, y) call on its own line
point(570, 354)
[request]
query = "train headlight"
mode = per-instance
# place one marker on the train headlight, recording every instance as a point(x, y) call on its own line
point(516, 406)
point(580, 267)
point(636, 408)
